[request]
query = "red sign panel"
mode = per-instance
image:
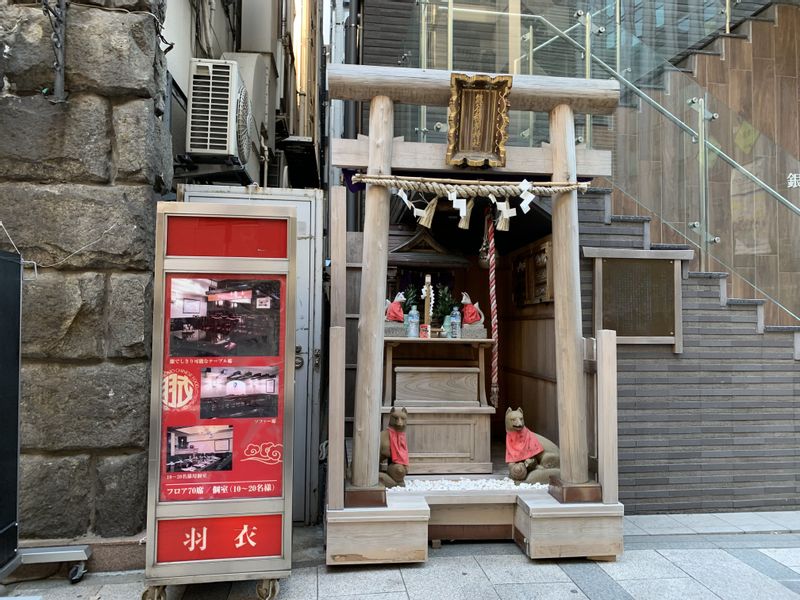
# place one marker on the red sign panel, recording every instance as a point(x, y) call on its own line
point(222, 396)
point(181, 540)
point(222, 236)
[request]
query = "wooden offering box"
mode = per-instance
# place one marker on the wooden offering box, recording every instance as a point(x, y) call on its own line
point(441, 382)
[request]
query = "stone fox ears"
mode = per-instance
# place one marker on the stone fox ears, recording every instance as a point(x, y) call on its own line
point(400, 410)
point(519, 410)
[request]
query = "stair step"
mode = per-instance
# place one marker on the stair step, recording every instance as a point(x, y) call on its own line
point(670, 247)
point(736, 36)
point(707, 274)
point(762, 19)
point(630, 219)
point(745, 301)
point(707, 52)
point(671, 67)
point(782, 328)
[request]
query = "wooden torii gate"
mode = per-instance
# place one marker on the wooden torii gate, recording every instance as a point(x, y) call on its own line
point(561, 98)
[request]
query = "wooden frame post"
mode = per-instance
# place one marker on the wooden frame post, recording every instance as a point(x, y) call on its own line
point(336, 381)
point(607, 454)
point(369, 376)
point(570, 384)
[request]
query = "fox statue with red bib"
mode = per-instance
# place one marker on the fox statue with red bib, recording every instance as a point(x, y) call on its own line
point(531, 458)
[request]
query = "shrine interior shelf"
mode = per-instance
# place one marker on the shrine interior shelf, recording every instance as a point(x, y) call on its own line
point(442, 385)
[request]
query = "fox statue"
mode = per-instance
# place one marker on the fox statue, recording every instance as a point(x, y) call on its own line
point(394, 310)
point(472, 313)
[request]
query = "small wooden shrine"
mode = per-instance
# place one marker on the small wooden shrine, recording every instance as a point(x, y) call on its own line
point(449, 387)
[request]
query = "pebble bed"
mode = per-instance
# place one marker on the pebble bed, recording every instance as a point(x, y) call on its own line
point(429, 485)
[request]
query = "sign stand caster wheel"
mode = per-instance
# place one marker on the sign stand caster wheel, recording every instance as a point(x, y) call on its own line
point(76, 572)
point(267, 589)
point(158, 592)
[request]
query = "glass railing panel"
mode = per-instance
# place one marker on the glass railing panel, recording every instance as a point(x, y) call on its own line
point(753, 225)
point(732, 202)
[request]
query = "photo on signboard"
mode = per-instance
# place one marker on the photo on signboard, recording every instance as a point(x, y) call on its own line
point(239, 392)
point(196, 448)
point(234, 316)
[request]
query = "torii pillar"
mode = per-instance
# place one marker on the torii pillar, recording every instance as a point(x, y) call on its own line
point(573, 485)
point(369, 376)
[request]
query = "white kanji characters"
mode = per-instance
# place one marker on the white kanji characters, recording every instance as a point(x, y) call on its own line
point(196, 540)
point(246, 536)
point(793, 180)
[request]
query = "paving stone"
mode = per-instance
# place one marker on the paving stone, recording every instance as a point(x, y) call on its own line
point(659, 524)
point(353, 580)
point(308, 546)
point(793, 585)
point(64, 593)
point(786, 556)
point(750, 522)
point(630, 528)
point(540, 591)
point(300, 585)
point(125, 591)
point(668, 589)
point(593, 581)
point(447, 578)
point(763, 563)
point(472, 549)
point(706, 523)
point(669, 541)
point(382, 596)
point(641, 564)
point(755, 540)
point(727, 576)
point(208, 591)
point(519, 569)
point(788, 519)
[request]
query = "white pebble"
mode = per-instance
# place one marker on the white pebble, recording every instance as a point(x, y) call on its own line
point(430, 485)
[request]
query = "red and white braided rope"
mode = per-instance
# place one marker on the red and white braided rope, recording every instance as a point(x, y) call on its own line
point(495, 389)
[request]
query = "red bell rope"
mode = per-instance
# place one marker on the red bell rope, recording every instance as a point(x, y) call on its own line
point(495, 389)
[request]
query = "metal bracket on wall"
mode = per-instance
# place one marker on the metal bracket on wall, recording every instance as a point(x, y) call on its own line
point(58, 21)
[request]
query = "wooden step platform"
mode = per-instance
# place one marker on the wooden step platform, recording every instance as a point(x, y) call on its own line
point(541, 526)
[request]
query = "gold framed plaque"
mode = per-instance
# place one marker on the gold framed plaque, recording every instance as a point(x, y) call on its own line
point(478, 120)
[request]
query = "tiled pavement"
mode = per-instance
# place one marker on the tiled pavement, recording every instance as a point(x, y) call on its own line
point(733, 556)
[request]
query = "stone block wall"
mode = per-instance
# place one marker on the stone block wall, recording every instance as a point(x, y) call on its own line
point(89, 171)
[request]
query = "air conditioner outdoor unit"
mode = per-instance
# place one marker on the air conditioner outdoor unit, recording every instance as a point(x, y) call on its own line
point(220, 127)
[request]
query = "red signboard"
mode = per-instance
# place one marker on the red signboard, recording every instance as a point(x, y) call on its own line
point(181, 540)
point(223, 236)
point(222, 396)
point(220, 482)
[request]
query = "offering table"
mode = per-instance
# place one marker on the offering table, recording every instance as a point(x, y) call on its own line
point(442, 384)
